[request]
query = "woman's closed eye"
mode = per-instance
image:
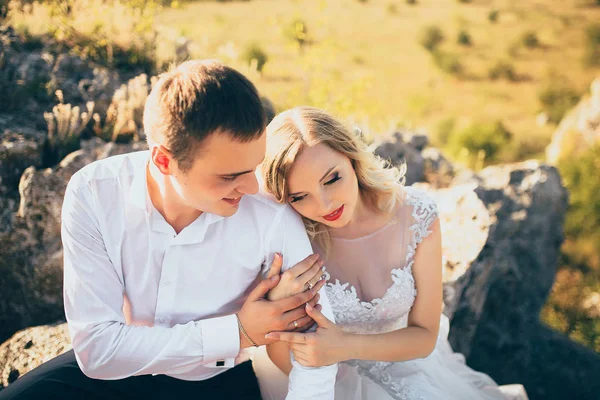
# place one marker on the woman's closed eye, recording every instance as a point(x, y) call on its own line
point(229, 178)
point(336, 177)
point(294, 199)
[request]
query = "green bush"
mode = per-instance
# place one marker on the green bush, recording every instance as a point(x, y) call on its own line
point(443, 131)
point(580, 175)
point(297, 32)
point(3, 8)
point(556, 99)
point(431, 37)
point(115, 33)
point(493, 16)
point(254, 52)
point(464, 38)
point(490, 138)
point(502, 70)
point(579, 274)
point(530, 40)
point(448, 62)
point(592, 46)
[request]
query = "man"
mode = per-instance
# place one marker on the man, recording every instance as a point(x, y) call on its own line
point(163, 248)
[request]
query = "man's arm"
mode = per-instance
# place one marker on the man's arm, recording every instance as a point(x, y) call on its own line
point(290, 239)
point(107, 348)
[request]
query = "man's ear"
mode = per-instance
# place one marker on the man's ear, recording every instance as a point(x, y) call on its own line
point(162, 158)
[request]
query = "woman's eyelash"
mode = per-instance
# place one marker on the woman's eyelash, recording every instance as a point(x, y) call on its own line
point(229, 178)
point(295, 199)
point(335, 178)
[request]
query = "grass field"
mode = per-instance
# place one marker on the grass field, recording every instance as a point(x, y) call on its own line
point(365, 60)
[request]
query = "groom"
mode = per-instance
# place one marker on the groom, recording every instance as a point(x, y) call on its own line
point(164, 252)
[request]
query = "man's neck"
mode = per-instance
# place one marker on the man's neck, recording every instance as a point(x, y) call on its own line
point(167, 201)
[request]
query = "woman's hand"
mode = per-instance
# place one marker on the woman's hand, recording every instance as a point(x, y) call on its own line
point(301, 277)
point(328, 345)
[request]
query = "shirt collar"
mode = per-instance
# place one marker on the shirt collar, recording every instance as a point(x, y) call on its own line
point(140, 198)
point(139, 195)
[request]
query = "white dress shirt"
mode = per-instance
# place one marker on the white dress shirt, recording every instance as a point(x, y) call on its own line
point(141, 299)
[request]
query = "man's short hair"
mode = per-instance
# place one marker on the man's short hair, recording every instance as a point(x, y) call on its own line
point(196, 99)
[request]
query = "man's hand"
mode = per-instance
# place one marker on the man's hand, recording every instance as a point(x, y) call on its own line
point(260, 316)
point(301, 277)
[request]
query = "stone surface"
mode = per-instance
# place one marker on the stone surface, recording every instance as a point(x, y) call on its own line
point(424, 164)
point(503, 229)
point(31, 347)
point(31, 251)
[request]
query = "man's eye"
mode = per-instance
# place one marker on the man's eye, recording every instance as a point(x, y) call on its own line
point(297, 198)
point(335, 178)
point(229, 178)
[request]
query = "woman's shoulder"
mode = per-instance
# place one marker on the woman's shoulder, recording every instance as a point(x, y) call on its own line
point(411, 196)
point(419, 203)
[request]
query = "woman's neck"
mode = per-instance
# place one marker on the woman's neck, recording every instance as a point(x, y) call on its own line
point(366, 219)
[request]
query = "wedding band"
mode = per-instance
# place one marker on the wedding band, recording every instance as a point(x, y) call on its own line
point(309, 285)
point(295, 324)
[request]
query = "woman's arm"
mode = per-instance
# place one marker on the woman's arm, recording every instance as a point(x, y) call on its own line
point(329, 344)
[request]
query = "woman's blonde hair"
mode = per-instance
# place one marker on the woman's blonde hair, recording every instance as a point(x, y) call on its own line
point(291, 131)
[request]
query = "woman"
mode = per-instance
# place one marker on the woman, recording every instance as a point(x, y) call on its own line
point(381, 243)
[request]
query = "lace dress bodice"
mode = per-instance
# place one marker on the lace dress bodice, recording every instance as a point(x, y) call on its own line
point(372, 289)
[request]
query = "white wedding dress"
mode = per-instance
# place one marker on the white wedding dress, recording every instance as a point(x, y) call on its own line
point(376, 297)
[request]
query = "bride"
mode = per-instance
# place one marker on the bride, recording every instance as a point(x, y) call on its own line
point(381, 243)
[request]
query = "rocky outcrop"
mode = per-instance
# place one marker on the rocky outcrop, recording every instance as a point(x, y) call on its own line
point(30, 251)
point(31, 72)
point(424, 164)
point(502, 231)
point(578, 130)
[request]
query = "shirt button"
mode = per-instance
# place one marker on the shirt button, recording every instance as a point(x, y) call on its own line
point(167, 283)
point(160, 320)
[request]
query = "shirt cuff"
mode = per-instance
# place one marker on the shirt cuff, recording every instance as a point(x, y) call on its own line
point(220, 341)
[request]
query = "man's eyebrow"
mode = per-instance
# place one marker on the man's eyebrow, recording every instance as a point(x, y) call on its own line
point(320, 180)
point(236, 173)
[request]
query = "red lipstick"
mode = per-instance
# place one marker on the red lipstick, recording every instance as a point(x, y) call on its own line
point(334, 215)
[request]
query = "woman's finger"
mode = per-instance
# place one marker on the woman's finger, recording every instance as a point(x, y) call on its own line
point(312, 274)
point(302, 266)
point(275, 265)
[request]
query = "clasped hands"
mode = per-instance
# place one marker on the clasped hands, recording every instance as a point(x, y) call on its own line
point(289, 310)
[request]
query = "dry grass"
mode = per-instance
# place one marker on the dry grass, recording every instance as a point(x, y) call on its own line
point(365, 61)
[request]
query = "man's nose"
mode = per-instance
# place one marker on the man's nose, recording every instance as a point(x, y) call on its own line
point(249, 184)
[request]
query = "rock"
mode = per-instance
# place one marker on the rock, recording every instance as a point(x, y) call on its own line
point(578, 130)
point(17, 152)
point(423, 164)
point(30, 348)
point(438, 170)
point(502, 232)
point(31, 251)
